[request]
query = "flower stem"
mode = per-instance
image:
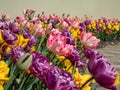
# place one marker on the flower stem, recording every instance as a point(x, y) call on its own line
point(11, 79)
point(23, 82)
point(87, 82)
point(61, 62)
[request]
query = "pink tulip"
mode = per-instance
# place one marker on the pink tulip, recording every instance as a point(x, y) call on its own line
point(21, 20)
point(75, 24)
point(44, 18)
point(39, 29)
point(49, 26)
point(51, 16)
point(57, 44)
point(64, 24)
point(55, 32)
point(28, 13)
point(6, 17)
point(88, 40)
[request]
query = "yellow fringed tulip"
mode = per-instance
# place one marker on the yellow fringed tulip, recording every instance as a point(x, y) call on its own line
point(22, 42)
point(74, 32)
point(117, 81)
point(81, 79)
point(109, 26)
point(4, 70)
point(1, 39)
point(32, 49)
point(68, 66)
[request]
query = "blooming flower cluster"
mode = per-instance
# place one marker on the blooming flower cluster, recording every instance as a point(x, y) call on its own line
point(53, 53)
point(104, 28)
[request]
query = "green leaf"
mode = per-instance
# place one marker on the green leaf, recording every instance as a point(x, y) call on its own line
point(30, 83)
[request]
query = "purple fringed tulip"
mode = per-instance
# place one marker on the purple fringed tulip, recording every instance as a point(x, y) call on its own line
point(98, 27)
point(69, 39)
point(17, 52)
point(87, 22)
point(57, 79)
point(3, 25)
point(32, 41)
point(53, 77)
point(5, 51)
point(101, 70)
point(82, 26)
point(68, 87)
point(106, 24)
point(26, 33)
point(105, 20)
point(40, 65)
point(14, 28)
point(75, 58)
point(9, 37)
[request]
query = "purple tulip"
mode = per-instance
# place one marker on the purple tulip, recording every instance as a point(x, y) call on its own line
point(69, 38)
point(6, 53)
point(98, 27)
point(75, 58)
point(14, 28)
point(105, 20)
point(40, 65)
point(82, 26)
point(9, 37)
point(53, 77)
point(101, 70)
point(3, 25)
point(68, 87)
point(106, 24)
point(87, 22)
point(26, 33)
point(32, 41)
point(119, 22)
point(17, 52)
point(61, 80)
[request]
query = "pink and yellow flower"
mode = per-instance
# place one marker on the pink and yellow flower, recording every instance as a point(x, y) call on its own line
point(88, 40)
point(57, 44)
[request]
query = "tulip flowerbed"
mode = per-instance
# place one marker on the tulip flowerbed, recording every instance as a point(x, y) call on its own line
point(40, 52)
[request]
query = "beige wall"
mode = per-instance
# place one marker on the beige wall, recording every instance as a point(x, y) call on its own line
point(95, 8)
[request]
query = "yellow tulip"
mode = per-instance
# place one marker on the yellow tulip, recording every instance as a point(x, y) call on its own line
point(81, 79)
point(68, 65)
point(104, 27)
point(89, 26)
point(116, 27)
point(74, 32)
point(22, 42)
point(100, 25)
point(1, 39)
point(4, 70)
point(32, 49)
point(109, 26)
point(117, 81)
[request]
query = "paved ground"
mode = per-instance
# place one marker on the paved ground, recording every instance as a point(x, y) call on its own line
point(112, 53)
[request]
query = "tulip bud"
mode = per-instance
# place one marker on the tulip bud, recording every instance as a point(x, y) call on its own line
point(24, 61)
point(31, 16)
point(5, 17)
